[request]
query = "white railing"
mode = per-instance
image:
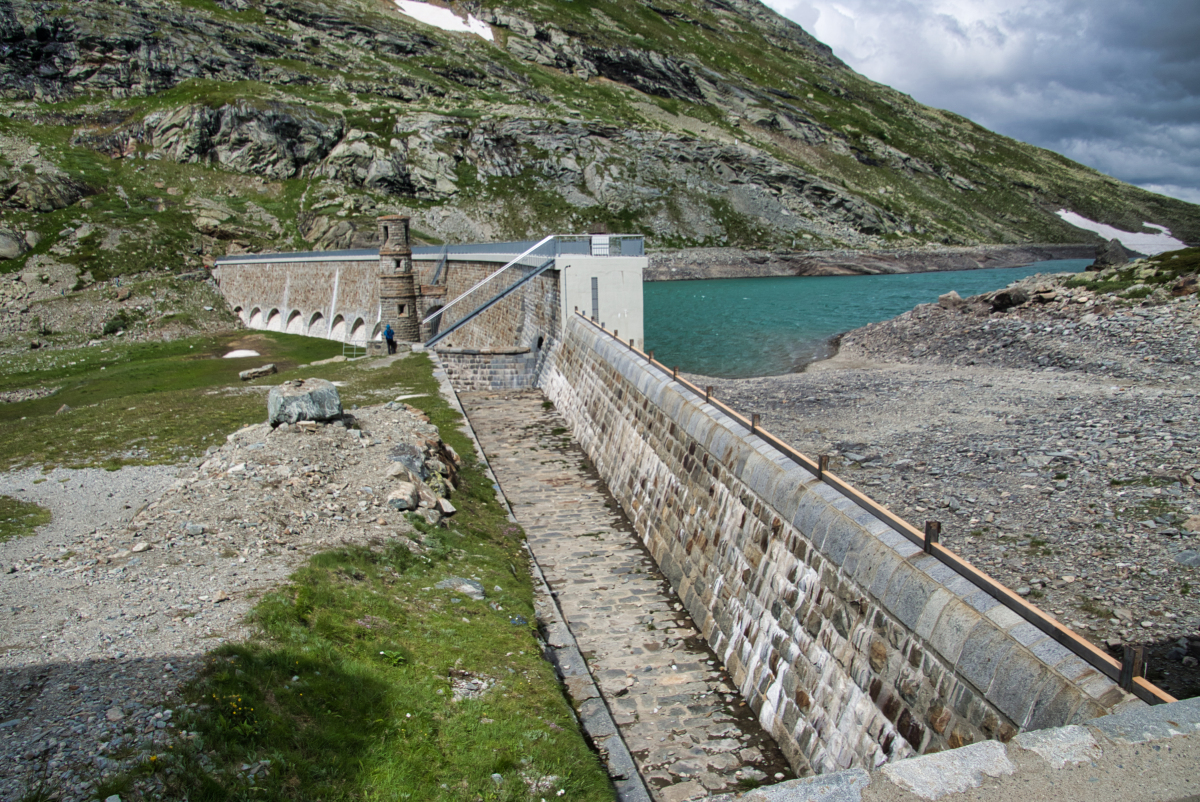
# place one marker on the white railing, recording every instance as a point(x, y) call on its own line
point(491, 276)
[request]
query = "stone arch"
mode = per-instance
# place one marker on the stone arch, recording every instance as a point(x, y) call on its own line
point(256, 318)
point(436, 323)
point(295, 323)
point(358, 332)
point(274, 321)
point(338, 330)
point(377, 333)
point(316, 325)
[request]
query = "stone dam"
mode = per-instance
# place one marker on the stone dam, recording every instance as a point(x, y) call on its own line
point(856, 641)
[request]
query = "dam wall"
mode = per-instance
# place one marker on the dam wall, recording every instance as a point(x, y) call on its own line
point(853, 645)
point(334, 296)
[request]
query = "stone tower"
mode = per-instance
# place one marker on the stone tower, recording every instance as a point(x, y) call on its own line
point(397, 282)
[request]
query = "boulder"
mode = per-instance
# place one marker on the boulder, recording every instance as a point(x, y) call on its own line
point(1110, 254)
point(467, 587)
point(412, 458)
point(404, 497)
point(258, 373)
point(307, 400)
point(1006, 299)
point(951, 300)
point(1188, 557)
point(12, 244)
point(1185, 286)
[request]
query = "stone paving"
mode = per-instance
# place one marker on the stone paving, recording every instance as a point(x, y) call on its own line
point(688, 730)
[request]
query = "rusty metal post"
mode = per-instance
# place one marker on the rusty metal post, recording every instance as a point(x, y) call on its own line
point(822, 465)
point(650, 354)
point(933, 534)
point(675, 372)
point(616, 334)
point(708, 393)
point(754, 423)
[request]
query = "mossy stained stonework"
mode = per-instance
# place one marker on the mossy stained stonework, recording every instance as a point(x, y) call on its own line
point(852, 645)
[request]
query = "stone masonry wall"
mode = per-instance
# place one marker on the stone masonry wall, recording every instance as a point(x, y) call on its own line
point(517, 321)
point(289, 296)
point(851, 644)
point(490, 368)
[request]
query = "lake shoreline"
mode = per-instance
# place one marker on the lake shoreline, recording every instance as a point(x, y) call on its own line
point(691, 264)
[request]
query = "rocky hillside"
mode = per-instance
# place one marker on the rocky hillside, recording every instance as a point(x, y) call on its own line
point(147, 134)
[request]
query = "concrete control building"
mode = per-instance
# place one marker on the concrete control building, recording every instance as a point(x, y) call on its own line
point(494, 308)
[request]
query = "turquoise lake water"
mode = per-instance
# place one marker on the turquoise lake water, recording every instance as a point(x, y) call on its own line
point(742, 327)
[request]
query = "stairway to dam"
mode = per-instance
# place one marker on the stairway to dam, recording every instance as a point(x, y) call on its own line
point(689, 732)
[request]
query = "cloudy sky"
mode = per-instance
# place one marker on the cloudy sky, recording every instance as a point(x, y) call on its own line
point(1109, 83)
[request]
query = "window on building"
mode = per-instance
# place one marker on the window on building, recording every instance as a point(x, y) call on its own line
point(402, 309)
point(595, 297)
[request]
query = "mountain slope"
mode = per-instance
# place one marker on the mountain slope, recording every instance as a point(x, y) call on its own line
point(147, 134)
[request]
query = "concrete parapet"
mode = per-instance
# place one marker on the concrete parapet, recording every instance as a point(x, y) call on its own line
point(1149, 753)
point(853, 646)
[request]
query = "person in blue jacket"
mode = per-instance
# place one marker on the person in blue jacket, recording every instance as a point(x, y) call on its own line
point(390, 337)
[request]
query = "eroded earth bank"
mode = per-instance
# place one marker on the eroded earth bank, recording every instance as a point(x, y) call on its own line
point(1050, 427)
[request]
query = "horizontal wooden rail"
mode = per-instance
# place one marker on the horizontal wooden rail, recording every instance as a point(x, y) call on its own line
point(1063, 635)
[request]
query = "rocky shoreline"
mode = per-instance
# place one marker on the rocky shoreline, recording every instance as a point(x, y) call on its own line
point(705, 263)
point(1056, 440)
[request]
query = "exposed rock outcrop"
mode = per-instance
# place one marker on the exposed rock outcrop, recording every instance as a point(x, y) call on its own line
point(39, 192)
point(1110, 254)
point(576, 115)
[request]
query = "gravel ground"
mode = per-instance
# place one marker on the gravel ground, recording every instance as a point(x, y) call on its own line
point(108, 609)
point(1056, 442)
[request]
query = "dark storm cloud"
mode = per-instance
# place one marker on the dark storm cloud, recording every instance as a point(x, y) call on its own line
point(1114, 85)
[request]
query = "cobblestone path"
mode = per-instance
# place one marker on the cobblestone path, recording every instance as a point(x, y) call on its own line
point(688, 730)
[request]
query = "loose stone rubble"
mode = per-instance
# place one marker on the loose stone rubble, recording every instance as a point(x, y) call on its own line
point(1056, 441)
point(108, 609)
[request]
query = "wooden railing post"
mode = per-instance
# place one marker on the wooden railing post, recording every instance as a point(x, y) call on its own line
point(1133, 665)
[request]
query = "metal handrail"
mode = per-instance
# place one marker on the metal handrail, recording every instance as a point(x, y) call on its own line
point(489, 303)
point(488, 278)
point(1106, 665)
point(441, 265)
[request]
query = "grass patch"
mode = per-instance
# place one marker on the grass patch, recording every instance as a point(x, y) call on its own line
point(1092, 608)
point(141, 403)
point(348, 689)
point(20, 518)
